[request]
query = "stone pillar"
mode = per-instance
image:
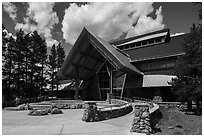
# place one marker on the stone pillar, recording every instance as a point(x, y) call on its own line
point(91, 113)
point(141, 120)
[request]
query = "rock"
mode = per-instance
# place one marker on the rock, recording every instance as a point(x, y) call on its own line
point(147, 119)
point(137, 112)
point(138, 130)
point(145, 131)
point(56, 111)
point(37, 112)
point(145, 114)
point(141, 123)
point(136, 119)
point(147, 123)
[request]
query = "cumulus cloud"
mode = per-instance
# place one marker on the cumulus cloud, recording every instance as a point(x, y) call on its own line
point(110, 20)
point(42, 13)
point(177, 34)
point(10, 9)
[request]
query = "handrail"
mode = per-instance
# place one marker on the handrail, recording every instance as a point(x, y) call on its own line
point(127, 102)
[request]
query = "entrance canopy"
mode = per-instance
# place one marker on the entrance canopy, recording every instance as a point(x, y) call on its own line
point(149, 81)
point(88, 55)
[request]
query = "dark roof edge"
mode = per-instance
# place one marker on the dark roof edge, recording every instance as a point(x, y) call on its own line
point(139, 36)
point(153, 58)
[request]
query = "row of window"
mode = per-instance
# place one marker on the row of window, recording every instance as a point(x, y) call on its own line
point(158, 65)
point(139, 44)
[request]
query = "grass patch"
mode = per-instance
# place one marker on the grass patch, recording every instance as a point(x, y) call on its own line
point(175, 122)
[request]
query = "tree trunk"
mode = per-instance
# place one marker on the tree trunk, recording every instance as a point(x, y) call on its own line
point(189, 105)
point(198, 108)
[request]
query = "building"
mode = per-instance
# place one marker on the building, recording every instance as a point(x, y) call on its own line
point(140, 66)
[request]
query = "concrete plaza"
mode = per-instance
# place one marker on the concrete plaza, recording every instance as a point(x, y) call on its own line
point(68, 123)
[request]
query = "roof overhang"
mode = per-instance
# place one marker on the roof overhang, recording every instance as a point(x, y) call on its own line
point(149, 81)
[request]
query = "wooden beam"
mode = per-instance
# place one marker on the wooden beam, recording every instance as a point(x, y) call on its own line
point(121, 95)
point(87, 59)
point(85, 67)
point(111, 79)
point(91, 56)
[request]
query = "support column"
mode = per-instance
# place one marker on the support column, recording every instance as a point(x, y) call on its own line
point(111, 84)
point(77, 85)
point(111, 80)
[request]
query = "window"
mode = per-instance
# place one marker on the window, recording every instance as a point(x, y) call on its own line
point(144, 43)
point(132, 45)
point(126, 47)
point(138, 44)
point(158, 40)
point(151, 42)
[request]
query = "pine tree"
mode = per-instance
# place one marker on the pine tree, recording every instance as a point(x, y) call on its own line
point(60, 55)
point(19, 60)
point(9, 68)
point(53, 66)
point(188, 85)
point(60, 59)
point(4, 42)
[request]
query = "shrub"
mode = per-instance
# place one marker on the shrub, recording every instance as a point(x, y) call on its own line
point(38, 112)
point(56, 111)
point(21, 107)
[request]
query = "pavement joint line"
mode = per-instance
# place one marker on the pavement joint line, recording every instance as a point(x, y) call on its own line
point(61, 129)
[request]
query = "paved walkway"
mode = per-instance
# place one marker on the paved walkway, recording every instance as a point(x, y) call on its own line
point(68, 123)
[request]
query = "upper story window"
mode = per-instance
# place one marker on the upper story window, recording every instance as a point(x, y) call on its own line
point(139, 44)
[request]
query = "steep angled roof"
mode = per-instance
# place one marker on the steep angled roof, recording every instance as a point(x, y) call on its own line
point(117, 56)
point(89, 53)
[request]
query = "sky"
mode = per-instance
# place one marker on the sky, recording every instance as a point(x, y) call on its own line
point(63, 22)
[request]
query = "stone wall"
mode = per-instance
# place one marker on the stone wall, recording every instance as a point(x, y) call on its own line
point(145, 118)
point(92, 113)
point(141, 120)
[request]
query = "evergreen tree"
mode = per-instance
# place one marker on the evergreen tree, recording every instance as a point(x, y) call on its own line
point(60, 55)
point(188, 85)
point(9, 68)
point(60, 59)
point(53, 66)
point(4, 42)
point(18, 61)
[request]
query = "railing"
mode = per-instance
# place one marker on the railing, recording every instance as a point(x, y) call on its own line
point(117, 102)
point(121, 98)
point(145, 100)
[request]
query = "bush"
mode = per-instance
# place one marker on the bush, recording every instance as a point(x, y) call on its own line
point(56, 111)
point(30, 112)
point(21, 107)
point(38, 112)
point(79, 106)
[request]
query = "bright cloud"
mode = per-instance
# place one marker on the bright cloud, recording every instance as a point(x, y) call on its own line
point(42, 13)
point(110, 20)
point(10, 9)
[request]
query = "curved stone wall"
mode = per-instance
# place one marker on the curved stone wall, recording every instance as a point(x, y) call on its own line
point(93, 113)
